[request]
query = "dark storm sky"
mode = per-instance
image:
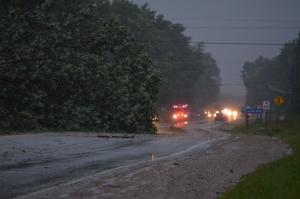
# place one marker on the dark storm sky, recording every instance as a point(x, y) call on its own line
point(219, 22)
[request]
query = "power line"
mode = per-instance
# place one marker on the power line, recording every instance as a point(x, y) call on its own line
point(219, 43)
point(240, 84)
point(248, 44)
point(243, 28)
point(249, 20)
point(230, 80)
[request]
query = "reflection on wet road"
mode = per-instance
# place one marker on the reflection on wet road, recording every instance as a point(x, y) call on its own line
point(33, 162)
point(181, 124)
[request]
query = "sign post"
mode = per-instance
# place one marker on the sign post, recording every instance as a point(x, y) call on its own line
point(266, 107)
point(278, 100)
point(252, 111)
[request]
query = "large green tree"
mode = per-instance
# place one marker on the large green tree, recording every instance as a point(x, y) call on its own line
point(65, 66)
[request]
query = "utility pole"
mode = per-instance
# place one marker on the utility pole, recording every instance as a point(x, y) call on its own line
point(295, 73)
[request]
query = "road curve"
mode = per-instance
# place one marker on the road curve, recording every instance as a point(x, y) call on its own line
point(35, 163)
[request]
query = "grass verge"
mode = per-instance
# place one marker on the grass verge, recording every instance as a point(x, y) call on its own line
point(279, 179)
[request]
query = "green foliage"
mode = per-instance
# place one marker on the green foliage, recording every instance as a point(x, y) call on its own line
point(276, 180)
point(208, 84)
point(75, 65)
point(265, 79)
point(180, 64)
point(64, 67)
point(257, 129)
point(279, 179)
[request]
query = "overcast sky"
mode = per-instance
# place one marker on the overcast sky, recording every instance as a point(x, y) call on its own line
point(219, 22)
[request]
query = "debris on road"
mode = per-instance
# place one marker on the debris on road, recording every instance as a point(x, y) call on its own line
point(115, 136)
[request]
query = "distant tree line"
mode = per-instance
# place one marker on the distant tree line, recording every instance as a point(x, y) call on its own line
point(94, 65)
point(265, 79)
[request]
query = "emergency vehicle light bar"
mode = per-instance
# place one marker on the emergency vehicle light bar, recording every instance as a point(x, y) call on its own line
point(180, 106)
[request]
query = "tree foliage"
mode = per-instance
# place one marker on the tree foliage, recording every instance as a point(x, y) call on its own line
point(180, 63)
point(265, 79)
point(96, 65)
point(208, 84)
point(65, 66)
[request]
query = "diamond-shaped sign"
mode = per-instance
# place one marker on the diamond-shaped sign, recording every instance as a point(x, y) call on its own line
point(278, 100)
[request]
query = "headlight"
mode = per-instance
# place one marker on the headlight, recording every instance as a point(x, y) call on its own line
point(174, 116)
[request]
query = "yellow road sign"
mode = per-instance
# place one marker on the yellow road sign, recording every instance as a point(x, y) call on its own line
point(278, 100)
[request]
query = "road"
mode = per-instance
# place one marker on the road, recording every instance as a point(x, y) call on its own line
point(33, 162)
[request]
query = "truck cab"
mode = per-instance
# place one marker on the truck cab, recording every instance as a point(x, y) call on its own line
point(180, 112)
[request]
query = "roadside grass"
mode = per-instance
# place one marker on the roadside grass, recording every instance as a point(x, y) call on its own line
point(278, 179)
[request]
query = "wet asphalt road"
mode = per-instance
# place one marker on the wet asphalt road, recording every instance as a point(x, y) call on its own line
point(32, 162)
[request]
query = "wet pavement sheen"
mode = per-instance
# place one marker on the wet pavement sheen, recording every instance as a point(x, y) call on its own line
point(31, 162)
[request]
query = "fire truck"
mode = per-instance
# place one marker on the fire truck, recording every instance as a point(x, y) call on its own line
point(180, 111)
